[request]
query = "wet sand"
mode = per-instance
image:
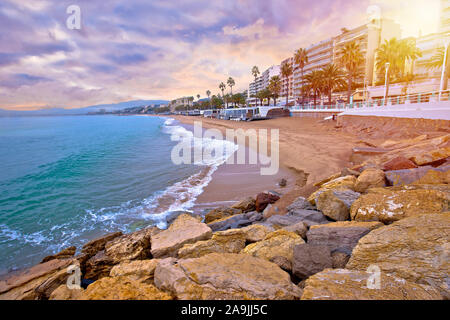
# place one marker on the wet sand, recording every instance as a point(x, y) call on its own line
point(305, 145)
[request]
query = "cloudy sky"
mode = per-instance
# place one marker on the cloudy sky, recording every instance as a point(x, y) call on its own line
point(162, 49)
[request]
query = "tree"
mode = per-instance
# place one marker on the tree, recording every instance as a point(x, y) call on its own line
point(208, 93)
point(222, 88)
point(332, 78)
point(255, 72)
point(231, 84)
point(198, 97)
point(301, 59)
point(436, 62)
point(314, 83)
point(395, 53)
point(275, 88)
point(351, 59)
point(216, 101)
point(238, 98)
point(286, 72)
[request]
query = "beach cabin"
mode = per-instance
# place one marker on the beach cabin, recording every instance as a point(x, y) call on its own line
point(253, 113)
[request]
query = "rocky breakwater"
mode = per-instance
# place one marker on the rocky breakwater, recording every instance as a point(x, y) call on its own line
point(357, 236)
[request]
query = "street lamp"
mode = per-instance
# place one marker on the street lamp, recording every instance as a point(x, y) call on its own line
point(444, 63)
point(385, 82)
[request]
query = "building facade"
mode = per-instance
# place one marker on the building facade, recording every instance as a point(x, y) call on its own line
point(261, 83)
point(184, 101)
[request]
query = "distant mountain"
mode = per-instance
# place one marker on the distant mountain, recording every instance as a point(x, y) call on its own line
point(80, 111)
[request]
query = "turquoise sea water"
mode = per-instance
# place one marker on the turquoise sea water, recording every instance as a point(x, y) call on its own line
point(66, 180)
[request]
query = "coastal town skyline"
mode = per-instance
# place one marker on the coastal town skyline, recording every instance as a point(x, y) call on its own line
point(183, 51)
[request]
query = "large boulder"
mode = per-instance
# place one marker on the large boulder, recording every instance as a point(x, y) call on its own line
point(133, 246)
point(37, 282)
point(246, 205)
point(336, 204)
point(432, 156)
point(398, 163)
point(220, 213)
point(414, 248)
point(236, 221)
point(256, 232)
point(264, 199)
point(138, 270)
point(300, 204)
point(122, 288)
point(341, 183)
point(185, 229)
point(91, 248)
point(343, 235)
point(277, 247)
point(343, 284)
point(435, 177)
point(370, 178)
point(229, 241)
point(421, 175)
point(224, 276)
point(98, 266)
point(64, 293)
point(310, 259)
point(299, 228)
point(309, 217)
point(391, 204)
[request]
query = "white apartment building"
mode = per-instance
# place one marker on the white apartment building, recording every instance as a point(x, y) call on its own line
point(261, 83)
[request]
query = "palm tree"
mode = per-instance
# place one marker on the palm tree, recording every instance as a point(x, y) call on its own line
point(314, 81)
point(198, 97)
point(351, 59)
point(395, 53)
point(231, 83)
point(436, 62)
point(222, 88)
point(275, 88)
point(332, 78)
point(301, 59)
point(208, 93)
point(286, 72)
point(255, 72)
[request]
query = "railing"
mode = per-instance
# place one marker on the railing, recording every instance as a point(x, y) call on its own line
point(426, 97)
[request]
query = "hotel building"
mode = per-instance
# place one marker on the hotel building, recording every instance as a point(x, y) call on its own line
point(184, 101)
point(261, 83)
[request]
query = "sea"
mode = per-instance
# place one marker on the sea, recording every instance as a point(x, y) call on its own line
point(67, 180)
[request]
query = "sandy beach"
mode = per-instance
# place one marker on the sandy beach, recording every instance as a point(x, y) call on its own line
point(306, 145)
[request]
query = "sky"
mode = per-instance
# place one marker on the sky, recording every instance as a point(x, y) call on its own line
point(152, 49)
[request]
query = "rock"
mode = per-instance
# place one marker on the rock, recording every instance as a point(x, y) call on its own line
point(138, 270)
point(236, 221)
point(302, 178)
point(326, 180)
point(256, 232)
point(370, 178)
point(340, 259)
point(341, 183)
point(277, 247)
point(398, 163)
point(264, 199)
point(91, 248)
point(281, 221)
point(64, 293)
point(300, 204)
point(283, 183)
point(309, 217)
point(220, 213)
point(299, 228)
point(64, 254)
point(414, 248)
point(98, 266)
point(359, 154)
point(133, 246)
point(388, 205)
point(185, 229)
point(409, 176)
point(122, 288)
point(173, 215)
point(434, 177)
point(343, 235)
point(343, 284)
point(36, 282)
point(310, 259)
point(431, 157)
point(246, 205)
point(229, 241)
point(336, 204)
point(219, 276)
